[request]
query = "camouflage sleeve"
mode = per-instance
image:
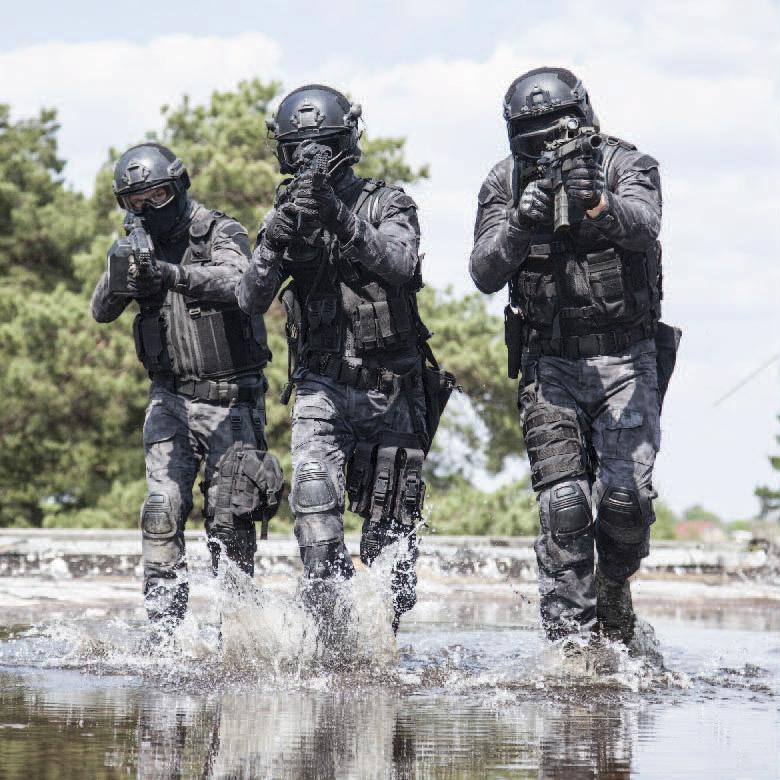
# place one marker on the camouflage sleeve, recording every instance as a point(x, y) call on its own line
point(258, 286)
point(216, 281)
point(106, 306)
point(390, 250)
point(500, 243)
point(632, 218)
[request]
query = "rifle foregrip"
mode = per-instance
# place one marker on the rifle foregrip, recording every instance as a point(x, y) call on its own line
point(561, 210)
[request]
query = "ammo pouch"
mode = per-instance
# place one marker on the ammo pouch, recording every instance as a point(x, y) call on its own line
point(667, 342)
point(149, 335)
point(225, 339)
point(381, 325)
point(323, 320)
point(385, 484)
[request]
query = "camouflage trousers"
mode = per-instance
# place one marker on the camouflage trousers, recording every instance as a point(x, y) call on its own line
point(179, 436)
point(592, 429)
point(329, 421)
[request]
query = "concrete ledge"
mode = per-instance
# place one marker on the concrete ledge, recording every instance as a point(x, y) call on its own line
point(79, 553)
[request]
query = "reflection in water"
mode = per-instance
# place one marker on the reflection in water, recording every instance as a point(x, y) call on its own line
point(104, 730)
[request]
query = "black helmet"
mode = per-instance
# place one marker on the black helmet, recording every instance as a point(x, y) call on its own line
point(150, 181)
point(316, 112)
point(535, 102)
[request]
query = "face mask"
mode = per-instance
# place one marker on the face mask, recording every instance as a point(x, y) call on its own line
point(160, 222)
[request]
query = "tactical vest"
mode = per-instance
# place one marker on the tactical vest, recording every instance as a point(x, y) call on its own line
point(579, 303)
point(189, 338)
point(337, 309)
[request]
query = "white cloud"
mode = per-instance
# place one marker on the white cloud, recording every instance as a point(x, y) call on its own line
point(109, 93)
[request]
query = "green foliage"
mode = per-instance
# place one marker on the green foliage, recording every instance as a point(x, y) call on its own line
point(74, 391)
point(469, 342)
point(665, 522)
point(41, 222)
point(383, 158)
point(698, 512)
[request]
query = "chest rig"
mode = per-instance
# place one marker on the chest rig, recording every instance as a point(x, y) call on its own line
point(340, 317)
point(192, 339)
point(580, 297)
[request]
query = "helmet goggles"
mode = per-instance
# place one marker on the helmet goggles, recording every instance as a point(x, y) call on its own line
point(155, 197)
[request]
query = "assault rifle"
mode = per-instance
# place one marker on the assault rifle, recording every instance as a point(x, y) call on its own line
point(130, 258)
point(557, 160)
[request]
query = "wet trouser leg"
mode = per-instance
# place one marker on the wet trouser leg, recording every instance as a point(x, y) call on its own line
point(625, 440)
point(610, 405)
point(328, 422)
point(322, 440)
point(223, 432)
point(171, 467)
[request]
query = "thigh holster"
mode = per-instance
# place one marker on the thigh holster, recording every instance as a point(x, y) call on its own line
point(249, 485)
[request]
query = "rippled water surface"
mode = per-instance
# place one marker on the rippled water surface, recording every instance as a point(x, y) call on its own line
point(246, 688)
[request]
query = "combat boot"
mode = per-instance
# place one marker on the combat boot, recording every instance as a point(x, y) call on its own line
point(614, 610)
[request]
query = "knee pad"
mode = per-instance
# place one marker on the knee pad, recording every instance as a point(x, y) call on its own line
point(570, 513)
point(385, 483)
point(158, 520)
point(554, 443)
point(314, 490)
point(625, 514)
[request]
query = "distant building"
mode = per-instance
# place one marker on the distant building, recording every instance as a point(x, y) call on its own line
point(700, 531)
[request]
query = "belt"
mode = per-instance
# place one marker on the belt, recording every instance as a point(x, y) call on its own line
point(223, 393)
point(588, 346)
point(359, 377)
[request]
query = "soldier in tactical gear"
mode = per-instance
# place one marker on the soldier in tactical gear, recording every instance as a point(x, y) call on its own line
point(360, 425)
point(205, 359)
point(575, 238)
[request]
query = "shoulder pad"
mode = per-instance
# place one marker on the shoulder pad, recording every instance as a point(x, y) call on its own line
point(201, 226)
point(397, 197)
point(613, 140)
point(228, 226)
point(645, 163)
point(498, 183)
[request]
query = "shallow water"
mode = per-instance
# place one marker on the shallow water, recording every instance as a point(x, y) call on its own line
point(245, 688)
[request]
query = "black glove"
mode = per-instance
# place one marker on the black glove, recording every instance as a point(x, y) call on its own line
point(281, 229)
point(318, 202)
point(536, 203)
point(585, 182)
point(163, 277)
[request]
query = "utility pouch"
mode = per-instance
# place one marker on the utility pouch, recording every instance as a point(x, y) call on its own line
point(223, 347)
point(380, 325)
point(513, 338)
point(360, 475)
point(322, 316)
point(149, 329)
point(667, 342)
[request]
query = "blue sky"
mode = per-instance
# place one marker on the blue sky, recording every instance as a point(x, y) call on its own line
point(693, 83)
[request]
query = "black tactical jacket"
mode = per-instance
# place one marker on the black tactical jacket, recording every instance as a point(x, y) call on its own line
point(351, 303)
point(196, 330)
point(594, 293)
